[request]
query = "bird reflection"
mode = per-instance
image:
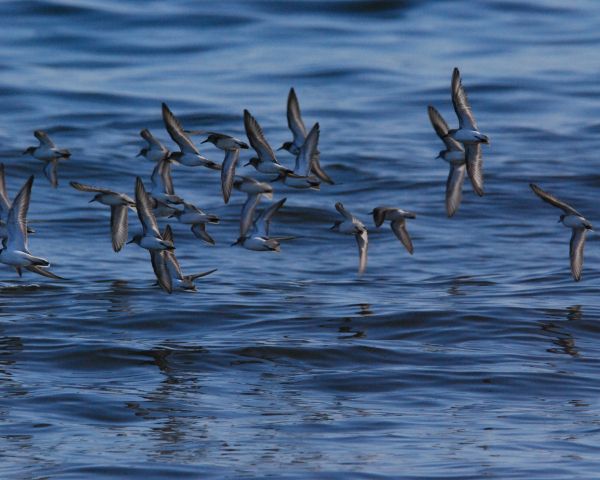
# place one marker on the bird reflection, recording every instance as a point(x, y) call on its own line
point(564, 341)
point(118, 296)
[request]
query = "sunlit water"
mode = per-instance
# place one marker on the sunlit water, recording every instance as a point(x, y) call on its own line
point(476, 357)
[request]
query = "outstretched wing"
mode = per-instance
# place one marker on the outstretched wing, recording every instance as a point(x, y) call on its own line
point(441, 128)
point(89, 188)
point(144, 209)
point(263, 221)
point(362, 240)
point(228, 172)
point(17, 218)
point(461, 103)
point(306, 157)
point(576, 252)
point(118, 226)
point(475, 167)
point(44, 139)
point(177, 132)
point(257, 139)
point(399, 229)
point(294, 118)
point(552, 200)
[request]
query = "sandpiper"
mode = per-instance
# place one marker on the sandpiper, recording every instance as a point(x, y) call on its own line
point(572, 219)
point(397, 218)
point(353, 226)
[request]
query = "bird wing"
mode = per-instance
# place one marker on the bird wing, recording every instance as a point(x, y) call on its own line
point(51, 173)
point(177, 132)
point(552, 200)
point(263, 221)
point(4, 201)
point(89, 188)
point(228, 172)
point(194, 276)
point(362, 240)
point(461, 103)
point(44, 139)
point(294, 118)
point(42, 271)
point(345, 213)
point(454, 186)
point(152, 140)
point(306, 157)
point(144, 209)
point(199, 230)
point(17, 218)
point(248, 209)
point(399, 228)
point(163, 276)
point(441, 128)
point(257, 139)
point(118, 226)
point(475, 167)
point(576, 252)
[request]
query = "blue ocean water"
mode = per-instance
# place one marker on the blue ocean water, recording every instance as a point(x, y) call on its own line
point(477, 357)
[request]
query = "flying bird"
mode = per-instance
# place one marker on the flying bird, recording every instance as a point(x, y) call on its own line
point(454, 154)
point(192, 215)
point(572, 219)
point(165, 263)
point(302, 176)
point(258, 238)
point(49, 153)
point(353, 226)
point(119, 204)
point(188, 154)
point(397, 218)
point(296, 126)
point(155, 151)
point(265, 161)
point(15, 249)
point(468, 133)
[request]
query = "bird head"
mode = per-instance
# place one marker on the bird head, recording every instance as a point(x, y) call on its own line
point(254, 161)
point(286, 146)
point(30, 151)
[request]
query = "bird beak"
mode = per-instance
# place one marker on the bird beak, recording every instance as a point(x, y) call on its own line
point(204, 141)
point(280, 148)
point(439, 156)
point(130, 241)
point(246, 164)
point(559, 220)
point(140, 154)
point(332, 227)
point(92, 200)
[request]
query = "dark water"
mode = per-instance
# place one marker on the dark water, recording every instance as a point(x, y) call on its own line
point(479, 357)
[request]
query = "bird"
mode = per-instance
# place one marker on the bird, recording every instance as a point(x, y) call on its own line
point(302, 176)
point(224, 141)
point(397, 217)
point(254, 190)
point(266, 161)
point(189, 155)
point(192, 215)
point(119, 204)
point(454, 154)
point(155, 151)
point(352, 225)
point(231, 146)
point(151, 238)
point(15, 249)
point(162, 184)
point(572, 219)
point(296, 126)
point(468, 133)
point(166, 260)
point(258, 238)
point(48, 152)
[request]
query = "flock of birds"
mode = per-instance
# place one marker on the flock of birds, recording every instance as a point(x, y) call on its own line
point(462, 151)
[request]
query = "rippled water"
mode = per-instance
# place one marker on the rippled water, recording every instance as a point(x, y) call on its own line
point(477, 357)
